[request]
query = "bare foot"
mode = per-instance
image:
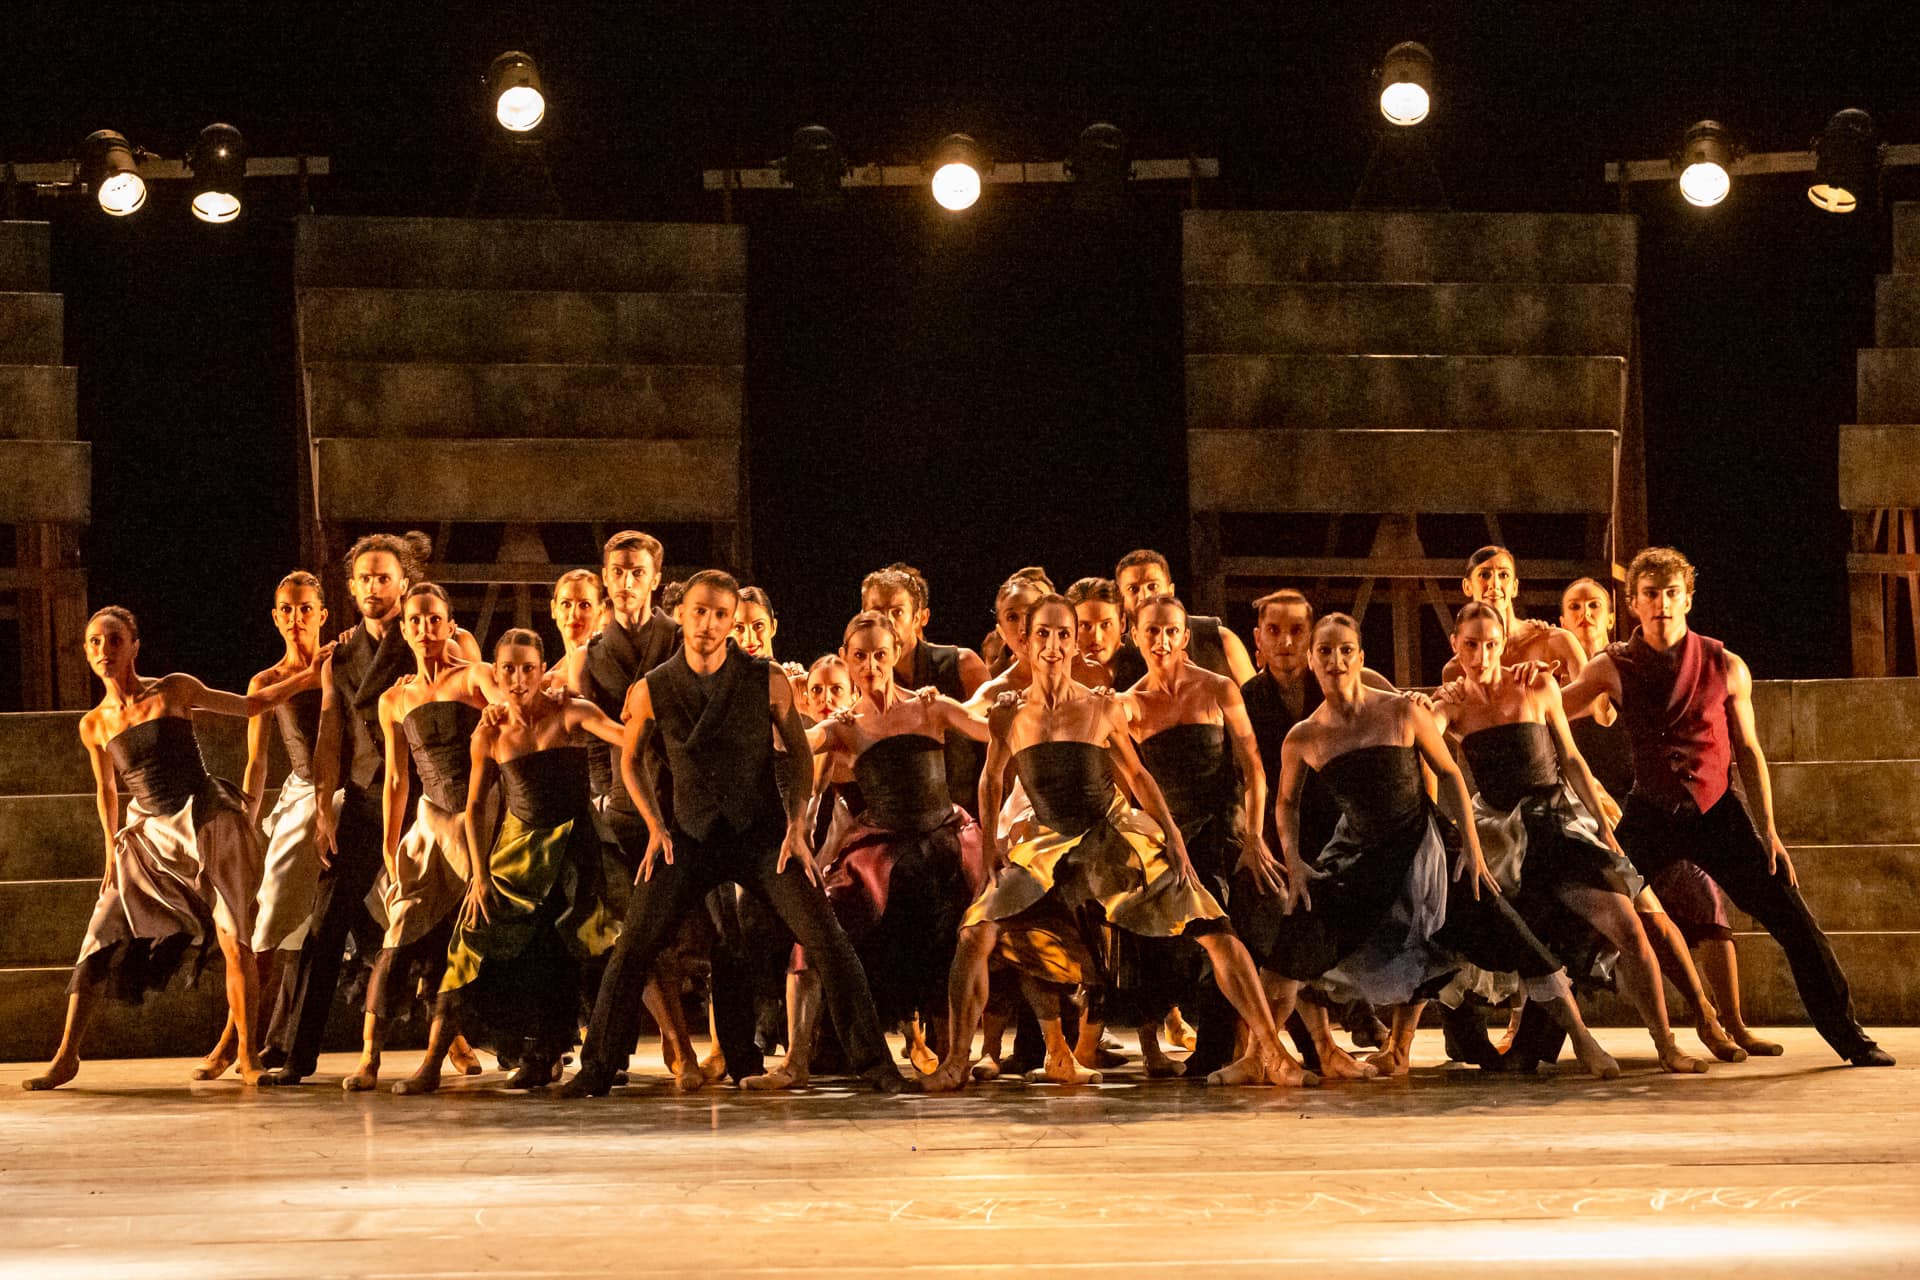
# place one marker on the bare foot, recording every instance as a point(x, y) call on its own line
point(1391, 1061)
point(213, 1066)
point(462, 1058)
point(1337, 1064)
point(425, 1080)
point(58, 1072)
point(781, 1077)
point(1754, 1044)
point(986, 1069)
point(947, 1077)
point(366, 1077)
point(1679, 1063)
point(1063, 1068)
point(1598, 1062)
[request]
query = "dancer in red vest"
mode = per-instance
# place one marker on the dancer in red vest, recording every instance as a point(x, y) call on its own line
point(1686, 702)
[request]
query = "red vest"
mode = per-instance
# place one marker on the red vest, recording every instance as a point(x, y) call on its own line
point(1674, 706)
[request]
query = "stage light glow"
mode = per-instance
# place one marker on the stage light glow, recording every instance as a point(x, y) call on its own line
point(1705, 162)
point(107, 165)
point(815, 164)
point(1846, 168)
point(1406, 83)
point(958, 167)
point(1099, 167)
point(219, 167)
point(519, 100)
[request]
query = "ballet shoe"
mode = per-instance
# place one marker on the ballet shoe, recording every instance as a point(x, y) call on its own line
point(1871, 1056)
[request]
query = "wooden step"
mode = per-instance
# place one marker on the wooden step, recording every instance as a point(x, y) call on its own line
point(1906, 237)
point(1887, 385)
point(1825, 720)
point(1854, 888)
point(1879, 466)
point(37, 402)
point(1535, 393)
point(506, 253)
point(46, 920)
point(578, 401)
point(1896, 311)
point(31, 328)
point(1242, 247)
point(25, 255)
point(1409, 319)
point(52, 481)
point(1883, 970)
point(1398, 471)
point(41, 755)
point(181, 1021)
point(523, 326)
point(1847, 802)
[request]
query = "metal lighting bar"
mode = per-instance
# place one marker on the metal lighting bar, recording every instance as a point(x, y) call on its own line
point(1003, 173)
point(1752, 162)
point(60, 173)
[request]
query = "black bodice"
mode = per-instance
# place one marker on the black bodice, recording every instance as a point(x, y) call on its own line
point(440, 735)
point(1195, 773)
point(298, 719)
point(1512, 762)
point(1069, 784)
point(902, 782)
point(1378, 790)
point(159, 760)
point(547, 788)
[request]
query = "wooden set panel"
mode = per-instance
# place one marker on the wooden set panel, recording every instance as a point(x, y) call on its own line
point(522, 326)
point(48, 481)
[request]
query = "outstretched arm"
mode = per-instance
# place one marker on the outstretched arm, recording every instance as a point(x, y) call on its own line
point(1240, 667)
point(798, 845)
point(1599, 679)
point(254, 781)
point(1432, 747)
point(106, 797)
point(326, 761)
point(479, 853)
point(638, 714)
point(1286, 818)
point(393, 792)
point(1753, 764)
point(1574, 765)
point(1126, 763)
point(963, 720)
point(1254, 858)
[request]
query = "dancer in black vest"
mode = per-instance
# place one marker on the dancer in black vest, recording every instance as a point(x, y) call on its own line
point(365, 663)
point(711, 708)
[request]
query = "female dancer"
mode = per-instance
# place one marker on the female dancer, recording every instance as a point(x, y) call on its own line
point(1085, 846)
point(1681, 907)
point(756, 626)
point(291, 881)
point(901, 878)
point(1493, 579)
point(184, 864)
point(533, 912)
point(1380, 921)
point(1193, 735)
point(578, 599)
point(1548, 855)
point(432, 715)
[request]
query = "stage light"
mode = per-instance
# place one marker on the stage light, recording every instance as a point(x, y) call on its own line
point(108, 167)
point(1099, 167)
point(1406, 83)
point(519, 102)
point(958, 165)
point(1846, 163)
point(815, 164)
point(219, 167)
point(1706, 156)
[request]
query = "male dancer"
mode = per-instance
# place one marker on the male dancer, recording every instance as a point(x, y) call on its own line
point(713, 711)
point(899, 593)
point(1686, 701)
point(1141, 576)
point(364, 665)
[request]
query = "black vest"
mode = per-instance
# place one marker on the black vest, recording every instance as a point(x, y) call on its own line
point(938, 665)
point(1205, 649)
point(363, 669)
point(1271, 718)
point(616, 659)
point(718, 742)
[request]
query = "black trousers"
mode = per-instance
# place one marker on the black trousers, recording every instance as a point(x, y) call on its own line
point(338, 910)
point(656, 908)
point(1723, 843)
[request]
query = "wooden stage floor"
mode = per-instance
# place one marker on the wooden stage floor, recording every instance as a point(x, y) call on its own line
point(1792, 1166)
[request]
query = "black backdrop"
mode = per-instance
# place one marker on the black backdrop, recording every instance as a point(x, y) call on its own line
point(971, 393)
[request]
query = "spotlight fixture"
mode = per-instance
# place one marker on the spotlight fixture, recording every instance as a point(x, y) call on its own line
point(1705, 161)
point(1846, 163)
point(1099, 167)
point(108, 167)
point(957, 166)
point(815, 164)
point(219, 166)
point(1406, 83)
point(513, 85)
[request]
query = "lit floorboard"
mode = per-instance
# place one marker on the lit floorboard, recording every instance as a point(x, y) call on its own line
point(1792, 1166)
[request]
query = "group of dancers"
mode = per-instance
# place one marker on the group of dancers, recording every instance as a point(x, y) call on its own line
point(1112, 813)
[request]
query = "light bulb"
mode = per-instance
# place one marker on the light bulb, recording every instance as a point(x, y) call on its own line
point(956, 186)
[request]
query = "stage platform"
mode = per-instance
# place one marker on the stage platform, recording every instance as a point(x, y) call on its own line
point(1791, 1166)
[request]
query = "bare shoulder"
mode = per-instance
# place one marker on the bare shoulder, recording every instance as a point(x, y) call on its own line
point(1739, 676)
point(90, 728)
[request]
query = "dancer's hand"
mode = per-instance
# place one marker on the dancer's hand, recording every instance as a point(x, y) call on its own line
point(1609, 814)
point(797, 847)
point(1010, 700)
point(1777, 858)
point(320, 656)
point(1261, 869)
point(926, 693)
point(1536, 673)
point(1470, 858)
point(325, 834)
point(1298, 876)
point(106, 877)
point(493, 715)
point(1418, 699)
point(659, 849)
point(475, 908)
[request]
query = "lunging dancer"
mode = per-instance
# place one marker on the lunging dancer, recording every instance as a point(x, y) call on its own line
point(903, 874)
point(1084, 846)
point(533, 913)
point(710, 708)
point(1686, 701)
point(186, 861)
